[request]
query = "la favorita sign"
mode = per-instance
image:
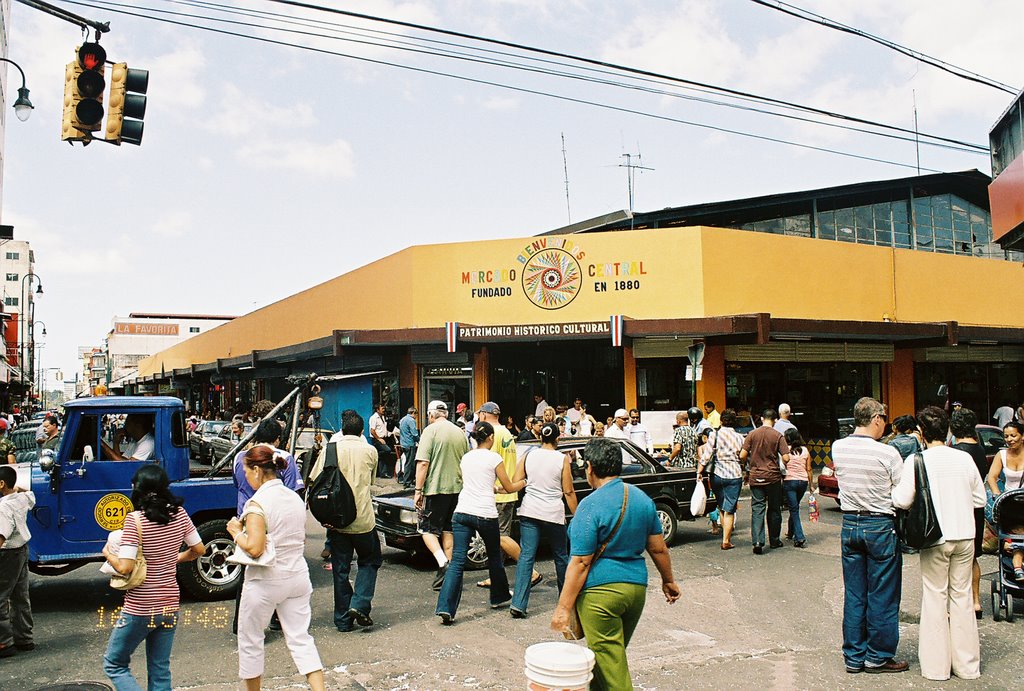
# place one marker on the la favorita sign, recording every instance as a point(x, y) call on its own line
point(137, 329)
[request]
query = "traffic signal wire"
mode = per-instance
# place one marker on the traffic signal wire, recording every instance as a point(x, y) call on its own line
point(118, 8)
point(410, 46)
point(955, 70)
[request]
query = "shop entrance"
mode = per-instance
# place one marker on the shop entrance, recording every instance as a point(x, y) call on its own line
point(982, 387)
point(558, 371)
point(821, 394)
point(453, 385)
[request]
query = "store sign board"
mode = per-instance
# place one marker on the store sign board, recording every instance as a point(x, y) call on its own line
point(528, 331)
point(137, 329)
point(551, 272)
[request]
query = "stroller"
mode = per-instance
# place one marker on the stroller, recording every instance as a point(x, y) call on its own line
point(1008, 515)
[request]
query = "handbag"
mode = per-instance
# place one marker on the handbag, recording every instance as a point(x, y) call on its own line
point(575, 631)
point(240, 556)
point(918, 526)
point(138, 574)
point(709, 467)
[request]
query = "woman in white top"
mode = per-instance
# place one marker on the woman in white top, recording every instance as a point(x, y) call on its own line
point(277, 514)
point(476, 512)
point(949, 631)
point(548, 477)
point(1007, 470)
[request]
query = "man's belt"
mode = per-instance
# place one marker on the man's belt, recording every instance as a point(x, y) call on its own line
point(872, 514)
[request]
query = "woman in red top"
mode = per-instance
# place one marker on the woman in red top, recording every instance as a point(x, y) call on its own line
point(150, 611)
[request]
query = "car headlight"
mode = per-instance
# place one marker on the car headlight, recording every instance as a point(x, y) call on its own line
point(406, 516)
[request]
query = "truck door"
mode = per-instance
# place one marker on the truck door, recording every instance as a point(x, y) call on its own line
point(95, 493)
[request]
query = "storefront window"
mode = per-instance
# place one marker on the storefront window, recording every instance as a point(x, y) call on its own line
point(821, 394)
point(662, 385)
point(453, 385)
point(979, 386)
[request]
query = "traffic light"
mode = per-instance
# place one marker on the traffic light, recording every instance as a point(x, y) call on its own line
point(83, 93)
point(127, 104)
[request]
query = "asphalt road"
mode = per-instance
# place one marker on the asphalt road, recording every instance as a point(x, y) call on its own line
point(744, 621)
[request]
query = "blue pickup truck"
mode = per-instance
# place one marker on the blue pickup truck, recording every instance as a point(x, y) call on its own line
point(82, 493)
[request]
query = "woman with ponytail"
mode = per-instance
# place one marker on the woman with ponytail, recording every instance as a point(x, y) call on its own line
point(150, 611)
point(277, 515)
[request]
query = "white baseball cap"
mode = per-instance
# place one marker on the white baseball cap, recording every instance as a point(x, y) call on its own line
point(437, 405)
point(621, 412)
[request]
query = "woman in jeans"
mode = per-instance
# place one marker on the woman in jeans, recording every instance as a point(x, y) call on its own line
point(727, 476)
point(949, 631)
point(476, 511)
point(609, 588)
point(150, 611)
point(799, 478)
point(274, 513)
point(548, 477)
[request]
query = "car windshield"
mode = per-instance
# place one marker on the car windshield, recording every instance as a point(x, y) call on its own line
point(215, 426)
point(991, 438)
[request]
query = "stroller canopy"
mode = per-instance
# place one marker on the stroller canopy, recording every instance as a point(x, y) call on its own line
point(1008, 510)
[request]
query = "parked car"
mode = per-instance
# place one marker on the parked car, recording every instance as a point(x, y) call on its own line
point(199, 440)
point(670, 488)
point(224, 441)
point(989, 436)
point(26, 448)
point(305, 441)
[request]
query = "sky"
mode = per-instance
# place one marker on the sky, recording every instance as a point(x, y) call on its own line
point(267, 169)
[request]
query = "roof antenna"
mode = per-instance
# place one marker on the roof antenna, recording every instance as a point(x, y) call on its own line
point(565, 167)
point(917, 140)
point(631, 167)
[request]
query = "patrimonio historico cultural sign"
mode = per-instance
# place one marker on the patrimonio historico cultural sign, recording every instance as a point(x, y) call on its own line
point(552, 272)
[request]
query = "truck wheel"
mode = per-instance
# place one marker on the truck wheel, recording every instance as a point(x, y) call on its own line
point(669, 526)
point(212, 576)
point(476, 556)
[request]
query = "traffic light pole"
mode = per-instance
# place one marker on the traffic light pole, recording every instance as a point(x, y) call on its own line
point(61, 13)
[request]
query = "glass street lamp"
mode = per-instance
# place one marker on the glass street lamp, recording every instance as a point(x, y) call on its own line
point(22, 106)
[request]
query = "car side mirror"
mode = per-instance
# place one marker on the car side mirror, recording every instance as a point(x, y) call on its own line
point(46, 460)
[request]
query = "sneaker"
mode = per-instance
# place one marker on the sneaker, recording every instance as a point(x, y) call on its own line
point(854, 670)
point(446, 619)
point(25, 647)
point(275, 623)
point(777, 545)
point(439, 577)
point(758, 549)
point(888, 666)
point(517, 613)
point(1018, 574)
point(503, 603)
point(8, 651)
point(360, 618)
point(800, 543)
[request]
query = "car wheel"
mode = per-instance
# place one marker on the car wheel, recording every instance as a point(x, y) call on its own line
point(996, 603)
point(669, 526)
point(212, 576)
point(476, 556)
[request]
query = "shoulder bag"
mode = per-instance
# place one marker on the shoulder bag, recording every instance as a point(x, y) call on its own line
point(575, 631)
point(918, 526)
point(240, 556)
point(709, 467)
point(138, 574)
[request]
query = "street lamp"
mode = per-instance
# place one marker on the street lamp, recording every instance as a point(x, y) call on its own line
point(22, 106)
point(26, 321)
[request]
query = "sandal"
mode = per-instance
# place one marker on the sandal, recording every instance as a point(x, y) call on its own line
point(727, 545)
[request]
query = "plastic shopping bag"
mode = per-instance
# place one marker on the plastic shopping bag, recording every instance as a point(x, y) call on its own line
point(699, 500)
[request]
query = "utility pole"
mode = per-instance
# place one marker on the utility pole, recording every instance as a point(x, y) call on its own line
point(917, 140)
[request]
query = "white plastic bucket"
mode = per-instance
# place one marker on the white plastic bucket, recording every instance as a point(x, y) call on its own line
point(558, 666)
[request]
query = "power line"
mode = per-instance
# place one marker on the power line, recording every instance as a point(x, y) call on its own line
point(592, 61)
point(100, 4)
point(961, 72)
point(964, 147)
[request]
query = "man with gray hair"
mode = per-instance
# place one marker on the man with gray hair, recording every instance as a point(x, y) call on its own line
point(783, 423)
point(438, 483)
point(867, 471)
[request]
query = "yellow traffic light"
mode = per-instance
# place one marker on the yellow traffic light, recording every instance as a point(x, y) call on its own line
point(127, 104)
point(83, 93)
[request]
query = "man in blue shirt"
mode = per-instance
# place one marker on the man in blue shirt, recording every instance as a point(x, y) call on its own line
point(408, 438)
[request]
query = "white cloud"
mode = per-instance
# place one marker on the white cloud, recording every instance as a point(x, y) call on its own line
point(331, 160)
point(239, 114)
point(500, 103)
point(174, 225)
point(180, 72)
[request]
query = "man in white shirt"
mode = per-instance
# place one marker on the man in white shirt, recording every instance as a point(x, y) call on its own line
point(379, 438)
point(576, 412)
point(617, 430)
point(1003, 415)
point(139, 428)
point(16, 615)
point(783, 424)
point(638, 433)
point(538, 398)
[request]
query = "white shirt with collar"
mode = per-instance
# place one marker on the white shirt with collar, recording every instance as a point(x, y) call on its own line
point(639, 435)
point(378, 425)
point(141, 450)
point(14, 509)
point(541, 407)
point(614, 432)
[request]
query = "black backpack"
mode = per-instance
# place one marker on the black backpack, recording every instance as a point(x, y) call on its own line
point(330, 498)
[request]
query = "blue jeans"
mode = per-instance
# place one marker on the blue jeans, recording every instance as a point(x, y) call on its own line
point(367, 549)
point(769, 495)
point(130, 630)
point(463, 527)
point(872, 579)
point(794, 490)
point(530, 531)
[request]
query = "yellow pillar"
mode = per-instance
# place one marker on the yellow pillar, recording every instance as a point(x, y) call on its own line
point(711, 386)
point(481, 378)
point(629, 376)
point(898, 384)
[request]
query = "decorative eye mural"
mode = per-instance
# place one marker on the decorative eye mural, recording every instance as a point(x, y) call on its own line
point(552, 278)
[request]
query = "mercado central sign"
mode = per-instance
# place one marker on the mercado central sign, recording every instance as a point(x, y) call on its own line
point(551, 272)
